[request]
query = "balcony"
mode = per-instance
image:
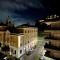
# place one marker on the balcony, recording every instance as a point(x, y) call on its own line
point(48, 37)
point(51, 55)
point(49, 46)
point(52, 37)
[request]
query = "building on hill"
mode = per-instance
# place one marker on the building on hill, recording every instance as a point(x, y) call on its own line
point(47, 23)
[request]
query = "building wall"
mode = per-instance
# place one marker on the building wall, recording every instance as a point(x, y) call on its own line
point(55, 43)
point(7, 37)
point(54, 33)
point(17, 52)
point(56, 24)
point(14, 40)
point(17, 46)
point(30, 36)
point(54, 53)
point(18, 43)
point(1, 36)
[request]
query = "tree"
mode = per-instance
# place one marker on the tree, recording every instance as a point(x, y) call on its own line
point(5, 48)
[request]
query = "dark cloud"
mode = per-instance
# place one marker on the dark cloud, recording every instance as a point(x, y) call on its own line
point(6, 5)
point(20, 10)
point(27, 10)
point(20, 4)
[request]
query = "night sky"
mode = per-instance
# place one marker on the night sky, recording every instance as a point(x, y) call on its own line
point(28, 11)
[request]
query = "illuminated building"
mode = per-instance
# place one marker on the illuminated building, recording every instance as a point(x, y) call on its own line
point(52, 45)
point(19, 39)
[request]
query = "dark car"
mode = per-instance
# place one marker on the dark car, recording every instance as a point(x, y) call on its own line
point(28, 53)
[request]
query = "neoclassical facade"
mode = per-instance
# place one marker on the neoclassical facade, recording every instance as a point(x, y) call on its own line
point(20, 41)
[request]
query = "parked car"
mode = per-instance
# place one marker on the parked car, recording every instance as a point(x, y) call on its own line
point(5, 58)
point(28, 53)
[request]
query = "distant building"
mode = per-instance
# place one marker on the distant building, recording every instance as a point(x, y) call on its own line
point(45, 23)
point(52, 19)
point(20, 39)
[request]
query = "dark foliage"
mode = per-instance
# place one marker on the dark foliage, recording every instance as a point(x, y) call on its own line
point(5, 48)
point(41, 26)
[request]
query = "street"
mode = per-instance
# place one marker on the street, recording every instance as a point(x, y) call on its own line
point(38, 52)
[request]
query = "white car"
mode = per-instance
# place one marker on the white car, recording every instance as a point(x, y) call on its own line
point(5, 58)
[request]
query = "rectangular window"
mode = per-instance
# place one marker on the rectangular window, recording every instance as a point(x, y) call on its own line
point(15, 51)
point(28, 41)
point(28, 31)
point(21, 44)
point(25, 31)
point(0, 44)
point(20, 51)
